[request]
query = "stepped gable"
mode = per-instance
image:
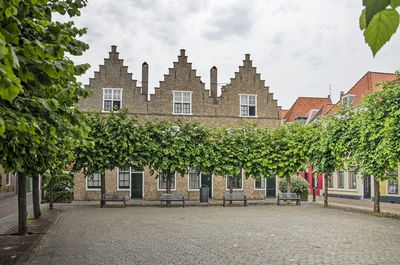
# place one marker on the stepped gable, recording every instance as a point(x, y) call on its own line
point(181, 77)
point(248, 81)
point(114, 74)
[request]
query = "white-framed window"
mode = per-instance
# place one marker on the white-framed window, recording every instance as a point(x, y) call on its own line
point(123, 179)
point(182, 102)
point(248, 105)
point(340, 179)
point(348, 99)
point(162, 183)
point(259, 183)
point(237, 181)
point(8, 179)
point(393, 185)
point(352, 179)
point(94, 182)
point(112, 98)
point(194, 179)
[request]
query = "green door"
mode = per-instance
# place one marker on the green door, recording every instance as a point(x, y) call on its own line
point(206, 180)
point(136, 185)
point(271, 187)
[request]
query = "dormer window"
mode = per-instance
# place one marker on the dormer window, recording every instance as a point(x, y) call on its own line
point(348, 99)
point(112, 98)
point(182, 102)
point(248, 105)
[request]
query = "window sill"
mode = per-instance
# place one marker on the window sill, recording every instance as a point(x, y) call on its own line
point(235, 189)
point(254, 117)
point(193, 189)
point(123, 189)
point(393, 195)
point(184, 114)
point(89, 189)
point(166, 189)
point(263, 189)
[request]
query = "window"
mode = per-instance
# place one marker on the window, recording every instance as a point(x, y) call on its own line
point(340, 180)
point(259, 183)
point(194, 179)
point(393, 185)
point(330, 182)
point(162, 183)
point(94, 182)
point(112, 98)
point(8, 176)
point(182, 102)
point(123, 181)
point(348, 99)
point(248, 105)
point(236, 182)
point(352, 179)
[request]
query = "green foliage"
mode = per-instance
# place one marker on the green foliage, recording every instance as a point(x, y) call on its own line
point(377, 133)
point(290, 147)
point(298, 185)
point(39, 91)
point(63, 186)
point(379, 20)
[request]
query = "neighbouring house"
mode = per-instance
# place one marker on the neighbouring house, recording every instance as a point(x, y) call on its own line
point(346, 184)
point(181, 95)
point(303, 111)
point(8, 184)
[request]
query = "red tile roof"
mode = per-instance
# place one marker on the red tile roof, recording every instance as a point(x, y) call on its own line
point(364, 87)
point(283, 112)
point(303, 105)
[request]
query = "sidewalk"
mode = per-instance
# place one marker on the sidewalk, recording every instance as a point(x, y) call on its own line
point(9, 212)
point(360, 205)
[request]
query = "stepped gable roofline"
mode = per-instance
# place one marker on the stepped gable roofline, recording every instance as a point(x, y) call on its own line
point(303, 105)
point(363, 87)
point(113, 56)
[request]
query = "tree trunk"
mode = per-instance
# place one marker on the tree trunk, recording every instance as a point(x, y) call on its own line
point(289, 188)
point(168, 184)
point(326, 190)
point(377, 197)
point(36, 197)
point(51, 192)
point(22, 212)
point(103, 187)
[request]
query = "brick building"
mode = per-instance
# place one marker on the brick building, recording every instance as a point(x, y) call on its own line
point(181, 95)
point(7, 184)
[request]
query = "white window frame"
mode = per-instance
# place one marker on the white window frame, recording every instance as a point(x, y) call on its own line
point(226, 182)
point(130, 184)
point(181, 102)
point(348, 97)
point(337, 180)
point(248, 105)
point(348, 178)
point(8, 183)
point(265, 183)
point(92, 189)
point(387, 186)
point(112, 98)
point(158, 183)
point(189, 189)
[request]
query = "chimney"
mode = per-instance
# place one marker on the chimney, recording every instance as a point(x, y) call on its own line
point(113, 55)
point(329, 98)
point(145, 79)
point(213, 83)
point(341, 94)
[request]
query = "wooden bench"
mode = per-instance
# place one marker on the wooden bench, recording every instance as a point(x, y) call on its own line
point(288, 197)
point(117, 197)
point(235, 197)
point(172, 197)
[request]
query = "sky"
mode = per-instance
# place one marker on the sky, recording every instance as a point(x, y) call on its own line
point(300, 48)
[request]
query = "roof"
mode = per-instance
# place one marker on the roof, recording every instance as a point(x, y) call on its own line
point(283, 112)
point(365, 86)
point(322, 111)
point(303, 105)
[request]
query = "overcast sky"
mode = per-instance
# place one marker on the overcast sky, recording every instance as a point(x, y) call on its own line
point(299, 47)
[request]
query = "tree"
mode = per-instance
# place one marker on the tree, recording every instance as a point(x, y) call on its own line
point(378, 138)
point(379, 20)
point(328, 147)
point(114, 141)
point(290, 147)
point(38, 87)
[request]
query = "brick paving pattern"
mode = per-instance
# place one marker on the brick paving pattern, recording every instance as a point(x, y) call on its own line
point(214, 235)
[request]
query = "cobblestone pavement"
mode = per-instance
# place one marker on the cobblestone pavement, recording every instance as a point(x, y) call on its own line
point(264, 234)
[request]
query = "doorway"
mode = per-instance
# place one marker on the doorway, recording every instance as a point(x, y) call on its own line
point(367, 187)
point(137, 185)
point(271, 187)
point(207, 181)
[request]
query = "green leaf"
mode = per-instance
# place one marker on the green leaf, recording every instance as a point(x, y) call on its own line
point(395, 3)
point(11, 11)
point(363, 21)
point(381, 28)
point(2, 126)
point(373, 7)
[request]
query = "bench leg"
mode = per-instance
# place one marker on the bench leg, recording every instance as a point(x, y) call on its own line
point(101, 204)
point(245, 203)
point(278, 202)
point(161, 205)
point(224, 202)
